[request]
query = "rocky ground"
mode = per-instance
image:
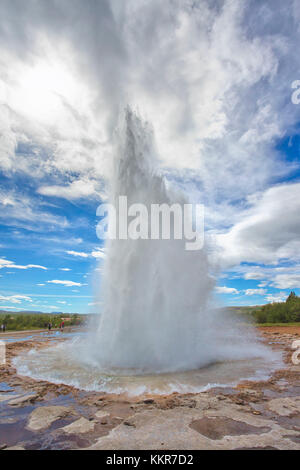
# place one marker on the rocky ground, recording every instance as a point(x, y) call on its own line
point(253, 415)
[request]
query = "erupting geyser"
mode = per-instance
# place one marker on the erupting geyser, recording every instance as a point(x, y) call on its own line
point(158, 328)
point(157, 314)
point(155, 292)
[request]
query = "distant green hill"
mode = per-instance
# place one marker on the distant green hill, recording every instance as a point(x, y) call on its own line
point(28, 312)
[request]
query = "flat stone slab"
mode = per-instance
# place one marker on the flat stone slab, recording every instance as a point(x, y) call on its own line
point(81, 426)
point(102, 414)
point(22, 400)
point(6, 397)
point(285, 406)
point(44, 416)
point(218, 427)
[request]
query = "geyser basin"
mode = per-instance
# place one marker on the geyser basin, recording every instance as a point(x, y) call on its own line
point(158, 331)
point(63, 364)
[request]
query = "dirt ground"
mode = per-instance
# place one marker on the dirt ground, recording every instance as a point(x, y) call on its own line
point(291, 330)
point(252, 415)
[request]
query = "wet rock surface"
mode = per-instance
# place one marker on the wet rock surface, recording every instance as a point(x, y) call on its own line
point(218, 427)
point(253, 415)
point(19, 401)
point(43, 417)
point(81, 426)
point(285, 406)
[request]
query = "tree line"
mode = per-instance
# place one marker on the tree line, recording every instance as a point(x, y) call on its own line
point(279, 312)
point(38, 321)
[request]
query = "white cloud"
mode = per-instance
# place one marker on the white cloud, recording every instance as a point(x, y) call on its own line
point(22, 211)
point(226, 290)
point(286, 281)
point(76, 190)
point(99, 253)
point(216, 90)
point(254, 275)
point(269, 230)
point(4, 263)
point(280, 297)
point(65, 283)
point(255, 291)
point(96, 253)
point(80, 254)
point(37, 266)
point(263, 284)
point(64, 269)
point(212, 90)
point(16, 299)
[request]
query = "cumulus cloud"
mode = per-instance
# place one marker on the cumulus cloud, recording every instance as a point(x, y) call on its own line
point(254, 275)
point(76, 190)
point(226, 290)
point(70, 86)
point(280, 297)
point(286, 281)
point(255, 291)
point(212, 89)
point(277, 276)
point(269, 229)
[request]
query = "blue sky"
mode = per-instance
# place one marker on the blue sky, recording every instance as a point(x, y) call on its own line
point(44, 253)
point(214, 80)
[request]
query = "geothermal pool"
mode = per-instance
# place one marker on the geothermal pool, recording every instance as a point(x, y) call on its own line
point(59, 364)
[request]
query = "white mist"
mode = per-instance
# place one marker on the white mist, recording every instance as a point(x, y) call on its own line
point(157, 314)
